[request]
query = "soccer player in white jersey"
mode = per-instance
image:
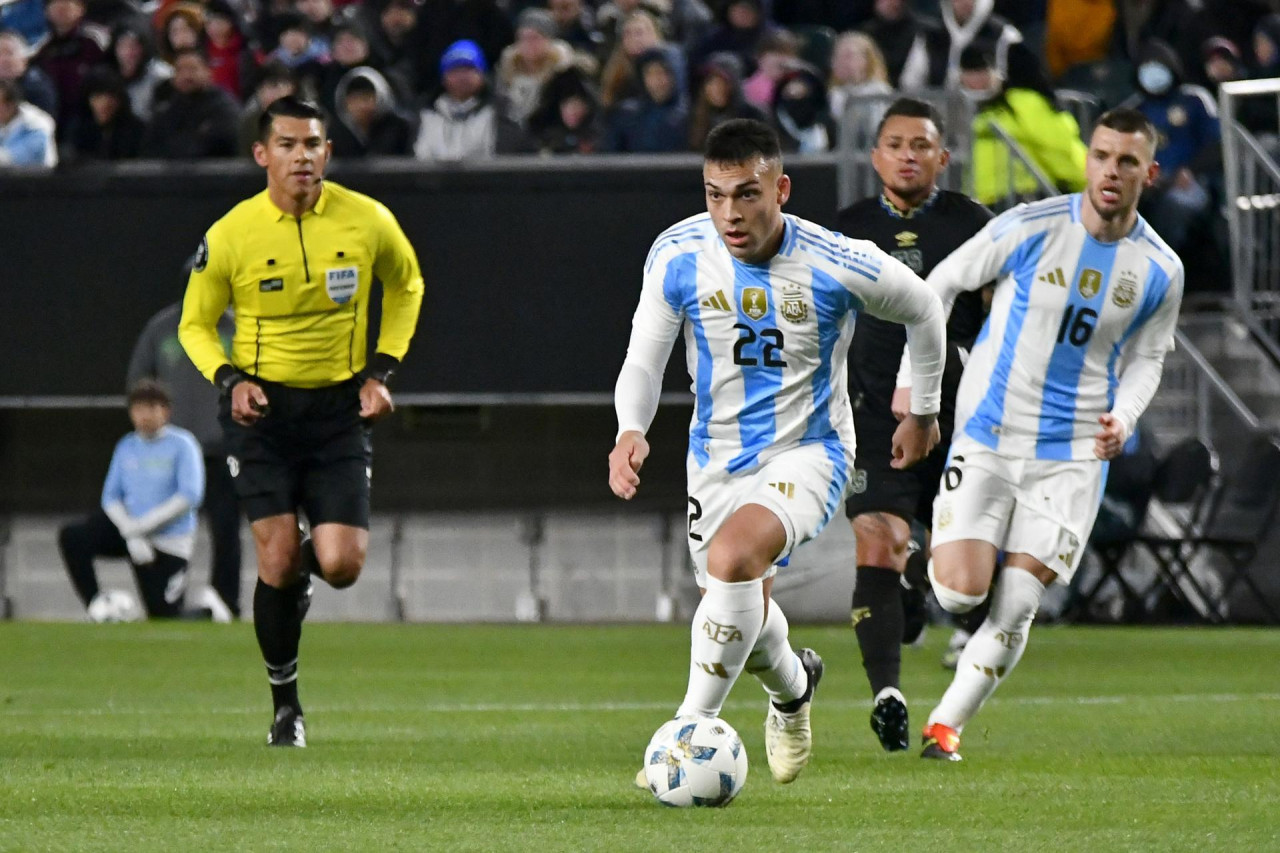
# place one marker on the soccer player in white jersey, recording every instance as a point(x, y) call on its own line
point(1085, 308)
point(767, 304)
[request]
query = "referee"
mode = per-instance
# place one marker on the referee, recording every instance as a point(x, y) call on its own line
point(919, 225)
point(296, 264)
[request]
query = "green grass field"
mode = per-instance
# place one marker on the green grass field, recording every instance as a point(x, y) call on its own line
point(526, 738)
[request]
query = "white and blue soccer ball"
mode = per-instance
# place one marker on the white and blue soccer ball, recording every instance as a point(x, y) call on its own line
point(695, 762)
point(114, 605)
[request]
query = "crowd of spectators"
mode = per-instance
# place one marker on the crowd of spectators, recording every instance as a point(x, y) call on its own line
point(84, 80)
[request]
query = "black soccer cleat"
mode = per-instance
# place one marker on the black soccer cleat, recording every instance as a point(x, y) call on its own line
point(288, 729)
point(889, 720)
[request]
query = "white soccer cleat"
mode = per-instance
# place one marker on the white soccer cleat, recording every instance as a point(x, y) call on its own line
point(788, 738)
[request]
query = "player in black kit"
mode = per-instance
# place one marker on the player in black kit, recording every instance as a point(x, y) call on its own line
point(919, 225)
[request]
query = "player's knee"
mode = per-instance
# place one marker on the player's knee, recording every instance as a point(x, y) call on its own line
point(342, 569)
point(954, 600)
point(879, 544)
point(732, 562)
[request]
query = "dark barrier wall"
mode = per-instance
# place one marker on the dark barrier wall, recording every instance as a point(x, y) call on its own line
point(532, 267)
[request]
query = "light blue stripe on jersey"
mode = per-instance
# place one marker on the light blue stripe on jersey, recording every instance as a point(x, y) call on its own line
point(831, 302)
point(1062, 377)
point(1153, 293)
point(680, 289)
point(839, 477)
point(674, 235)
point(832, 252)
point(985, 424)
point(1020, 216)
point(757, 420)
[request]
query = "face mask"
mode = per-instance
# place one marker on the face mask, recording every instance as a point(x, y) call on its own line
point(1154, 78)
point(980, 96)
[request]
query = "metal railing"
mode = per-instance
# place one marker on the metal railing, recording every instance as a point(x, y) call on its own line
point(1253, 206)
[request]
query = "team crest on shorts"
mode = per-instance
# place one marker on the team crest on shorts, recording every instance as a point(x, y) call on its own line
point(794, 308)
point(1126, 288)
point(755, 302)
point(1090, 283)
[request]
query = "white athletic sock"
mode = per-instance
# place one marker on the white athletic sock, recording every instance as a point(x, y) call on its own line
point(725, 627)
point(994, 649)
point(773, 661)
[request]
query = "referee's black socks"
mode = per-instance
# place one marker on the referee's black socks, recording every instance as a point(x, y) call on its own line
point(279, 628)
point(878, 623)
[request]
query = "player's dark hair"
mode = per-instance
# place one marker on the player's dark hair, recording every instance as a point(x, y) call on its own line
point(1127, 120)
point(912, 108)
point(741, 140)
point(290, 106)
point(149, 391)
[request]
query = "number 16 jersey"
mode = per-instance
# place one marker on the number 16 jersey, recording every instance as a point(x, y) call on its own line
point(1067, 311)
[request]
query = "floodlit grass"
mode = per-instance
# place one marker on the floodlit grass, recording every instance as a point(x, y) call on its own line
point(526, 738)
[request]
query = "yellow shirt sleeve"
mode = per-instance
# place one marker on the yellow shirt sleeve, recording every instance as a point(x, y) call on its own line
point(207, 297)
point(396, 266)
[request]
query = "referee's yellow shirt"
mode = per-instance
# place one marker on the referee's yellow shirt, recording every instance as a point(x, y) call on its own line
point(300, 289)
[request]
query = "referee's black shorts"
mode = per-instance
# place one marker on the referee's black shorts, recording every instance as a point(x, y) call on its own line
point(311, 451)
point(878, 487)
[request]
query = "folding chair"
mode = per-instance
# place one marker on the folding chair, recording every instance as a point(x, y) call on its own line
point(1239, 514)
point(1182, 481)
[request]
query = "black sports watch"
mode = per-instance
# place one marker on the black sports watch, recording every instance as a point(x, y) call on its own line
point(381, 367)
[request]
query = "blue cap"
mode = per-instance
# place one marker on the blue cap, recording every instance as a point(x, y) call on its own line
point(464, 52)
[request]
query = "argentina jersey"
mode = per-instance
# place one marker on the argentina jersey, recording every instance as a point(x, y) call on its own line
point(766, 344)
point(1067, 311)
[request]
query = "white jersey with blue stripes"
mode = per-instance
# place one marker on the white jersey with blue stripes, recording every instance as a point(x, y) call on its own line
point(1068, 312)
point(766, 344)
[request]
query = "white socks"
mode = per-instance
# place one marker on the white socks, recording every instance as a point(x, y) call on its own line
point(994, 649)
point(773, 661)
point(725, 628)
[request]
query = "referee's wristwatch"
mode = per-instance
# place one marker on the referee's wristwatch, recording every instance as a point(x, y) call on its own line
point(227, 377)
point(381, 367)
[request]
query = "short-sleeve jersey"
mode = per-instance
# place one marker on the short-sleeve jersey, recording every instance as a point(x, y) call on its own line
point(1066, 310)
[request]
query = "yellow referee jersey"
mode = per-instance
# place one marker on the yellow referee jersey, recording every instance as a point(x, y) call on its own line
point(300, 289)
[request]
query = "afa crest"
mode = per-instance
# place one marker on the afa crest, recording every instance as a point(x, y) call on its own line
point(755, 302)
point(794, 308)
point(1090, 283)
point(1125, 290)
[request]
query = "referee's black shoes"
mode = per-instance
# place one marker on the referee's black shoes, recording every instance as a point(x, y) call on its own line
point(288, 729)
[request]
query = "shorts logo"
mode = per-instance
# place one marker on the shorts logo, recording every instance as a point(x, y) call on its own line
point(794, 308)
point(755, 302)
point(859, 483)
point(341, 283)
point(1125, 290)
point(788, 489)
point(722, 634)
point(1090, 283)
point(233, 466)
point(945, 516)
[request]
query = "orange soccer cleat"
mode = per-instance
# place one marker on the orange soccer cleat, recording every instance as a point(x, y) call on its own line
point(941, 742)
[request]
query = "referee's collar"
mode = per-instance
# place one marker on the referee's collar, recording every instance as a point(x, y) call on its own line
point(321, 203)
point(894, 211)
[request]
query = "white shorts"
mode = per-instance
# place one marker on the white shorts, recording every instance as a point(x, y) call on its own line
point(1041, 507)
point(803, 486)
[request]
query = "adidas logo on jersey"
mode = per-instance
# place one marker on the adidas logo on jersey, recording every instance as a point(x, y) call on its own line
point(716, 302)
point(1055, 277)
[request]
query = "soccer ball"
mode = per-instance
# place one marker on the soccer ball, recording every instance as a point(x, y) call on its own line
point(695, 762)
point(114, 605)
